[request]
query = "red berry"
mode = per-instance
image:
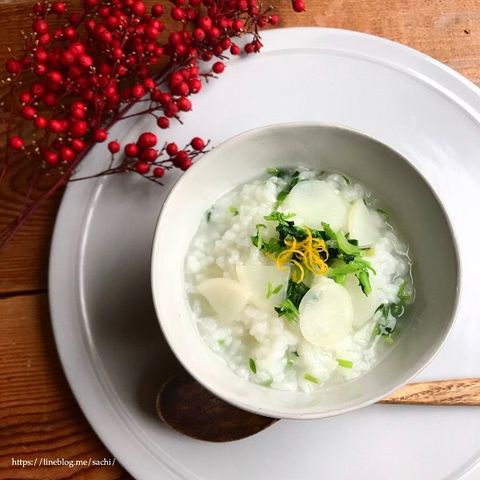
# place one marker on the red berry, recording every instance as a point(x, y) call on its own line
point(274, 20)
point(100, 135)
point(186, 164)
point(195, 85)
point(55, 77)
point(218, 67)
point(40, 26)
point(41, 122)
point(177, 13)
point(28, 112)
point(79, 128)
point(184, 104)
point(25, 97)
point(69, 33)
point(50, 99)
point(157, 10)
point(163, 122)
point(58, 7)
point(13, 66)
point(298, 5)
point(77, 48)
point(138, 91)
point(67, 154)
point(50, 156)
point(78, 145)
point(114, 147)
point(148, 155)
point(172, 149)
point(158, 172)
point(205, 23)
point(139, 9)
point(55, 126)
point(213, 33)
point(199, 34)
point(85, 61)
point(131, 150)
point(198, 144)
point(237, 24)
point(16, 142)
point(235, 50)
point(142, 167)
point(147, 140)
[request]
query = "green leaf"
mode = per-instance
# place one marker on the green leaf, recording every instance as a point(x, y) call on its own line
point(347, 180)
point(364, 282)
point(282, 195)
point(252, 365)
point(221, 342)
point(345, 246)
point(295, 292)
point(311, 378)
point(328, 231)
point(209, 215)
point(233, 210)
point(383, 212)
point(344, 363)
point(403, 295)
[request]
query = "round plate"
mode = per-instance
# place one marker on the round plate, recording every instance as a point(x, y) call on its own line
point(108, 337)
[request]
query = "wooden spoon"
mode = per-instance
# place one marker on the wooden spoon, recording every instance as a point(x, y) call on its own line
point(186, 406)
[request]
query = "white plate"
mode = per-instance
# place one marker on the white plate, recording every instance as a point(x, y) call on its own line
point(108, 338)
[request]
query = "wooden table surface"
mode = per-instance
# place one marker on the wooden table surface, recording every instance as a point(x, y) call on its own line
point(39, 415)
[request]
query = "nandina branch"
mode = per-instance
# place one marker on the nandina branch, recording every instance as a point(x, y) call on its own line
point(84, 76)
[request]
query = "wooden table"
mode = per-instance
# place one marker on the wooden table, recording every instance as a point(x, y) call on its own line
point(39, 415)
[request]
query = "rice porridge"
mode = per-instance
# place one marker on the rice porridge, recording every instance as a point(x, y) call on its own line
point(297, 279)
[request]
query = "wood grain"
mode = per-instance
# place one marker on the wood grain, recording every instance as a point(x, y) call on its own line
point(39, 416)
point(464, 391)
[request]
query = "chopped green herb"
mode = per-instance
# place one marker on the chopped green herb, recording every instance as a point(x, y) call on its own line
point(344, 363)
point(383, 212)
point(272, 291)
point(252, 365)
point(290, 360)
point(311, 378)
point(267, 383)
point(279, 217)
point(403, 295)
point(328, 231)
point(347, 180)
point(209, 215)
point(221, 341)
point(392, 312)
point(233, 210)
point(288, 310)
point(257, 238)
point(277, 172)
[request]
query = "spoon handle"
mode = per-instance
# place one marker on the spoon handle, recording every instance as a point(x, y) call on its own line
point(462, 391)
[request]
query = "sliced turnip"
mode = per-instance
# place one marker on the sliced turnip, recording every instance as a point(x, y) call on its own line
point(267, 284)
point(363, 306)
point(326, 313)
point(362, 225)
point(316, 201)
point(226, 296)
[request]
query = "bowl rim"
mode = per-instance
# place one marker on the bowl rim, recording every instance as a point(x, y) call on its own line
point(405, 378)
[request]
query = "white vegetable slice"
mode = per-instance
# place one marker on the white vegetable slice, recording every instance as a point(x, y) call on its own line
point(362, 225)
point(363, 306)
point(326, 313)
point(316, 201)
point(264, 281)
point(226, 296)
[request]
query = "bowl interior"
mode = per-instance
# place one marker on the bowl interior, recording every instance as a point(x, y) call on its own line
point(416, 212)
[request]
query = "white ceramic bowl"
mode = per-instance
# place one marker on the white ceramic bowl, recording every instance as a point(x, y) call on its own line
point(416, 210)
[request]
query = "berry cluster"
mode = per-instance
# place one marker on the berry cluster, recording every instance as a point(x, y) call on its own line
point(76, 80)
